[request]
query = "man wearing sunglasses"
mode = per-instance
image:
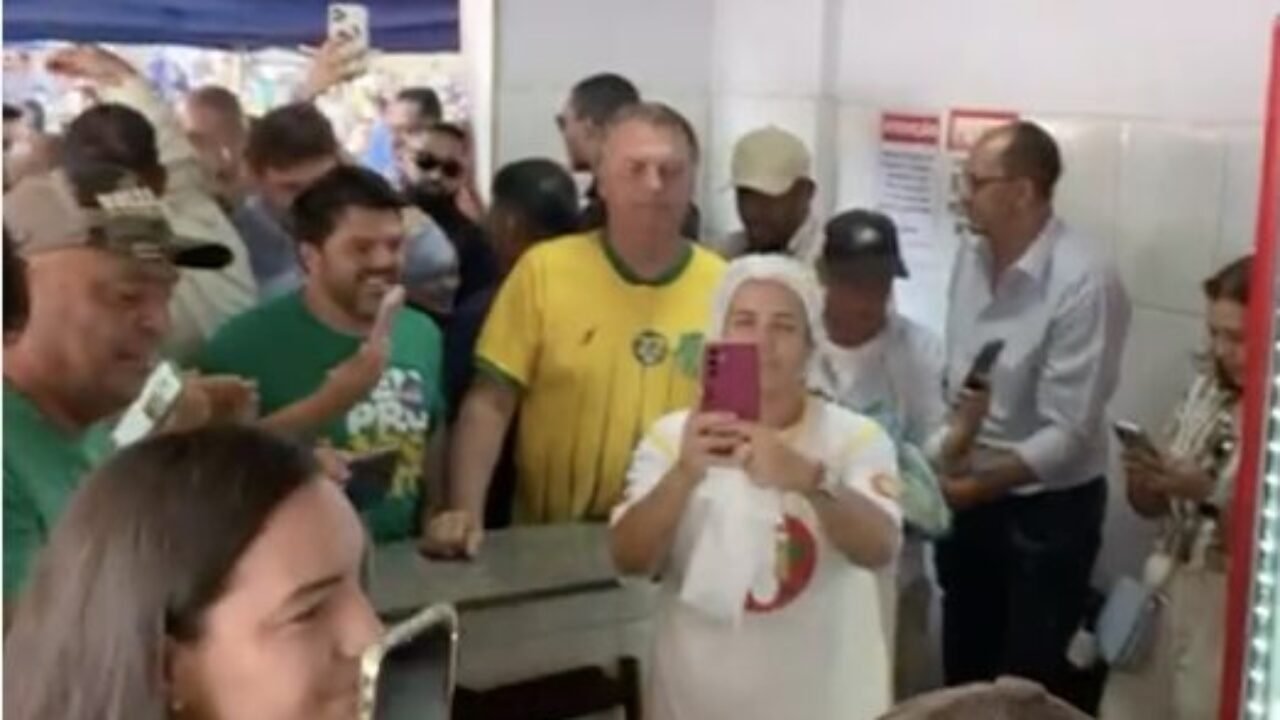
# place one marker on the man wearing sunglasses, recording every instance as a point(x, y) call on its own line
point(436, 170)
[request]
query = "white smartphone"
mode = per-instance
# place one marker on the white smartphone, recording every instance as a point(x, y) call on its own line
point(151, 407)
point(410, 673)
point(349, 22)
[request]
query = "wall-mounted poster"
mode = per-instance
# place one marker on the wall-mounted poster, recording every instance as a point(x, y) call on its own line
point(908, 172)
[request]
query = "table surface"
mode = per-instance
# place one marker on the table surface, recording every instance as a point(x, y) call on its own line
point(515, 565)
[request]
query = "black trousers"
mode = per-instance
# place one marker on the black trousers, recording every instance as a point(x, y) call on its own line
point(1015, 576)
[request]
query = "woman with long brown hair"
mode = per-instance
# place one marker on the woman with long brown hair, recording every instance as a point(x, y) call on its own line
point(212, 574)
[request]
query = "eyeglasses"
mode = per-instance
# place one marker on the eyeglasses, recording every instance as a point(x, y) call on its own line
point(561, 122)
point(448, 167)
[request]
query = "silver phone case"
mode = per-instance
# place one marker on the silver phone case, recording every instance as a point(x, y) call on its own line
point(434, 617)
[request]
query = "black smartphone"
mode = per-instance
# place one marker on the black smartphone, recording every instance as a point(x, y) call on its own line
point(371, 477)
point(979, 376)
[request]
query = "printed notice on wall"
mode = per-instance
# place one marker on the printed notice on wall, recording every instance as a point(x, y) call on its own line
point(908, 182)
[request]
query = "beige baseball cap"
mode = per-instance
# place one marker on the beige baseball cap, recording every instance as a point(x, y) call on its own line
point(770, 160)
point(42, 214)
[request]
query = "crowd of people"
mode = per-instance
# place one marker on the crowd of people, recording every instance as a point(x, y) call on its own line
point(541, 360)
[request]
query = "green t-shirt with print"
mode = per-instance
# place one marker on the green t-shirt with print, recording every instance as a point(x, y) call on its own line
point(289, 352)
point(43, 466)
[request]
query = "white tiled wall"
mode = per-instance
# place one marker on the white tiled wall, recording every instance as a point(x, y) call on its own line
point(1157, 105)
point(1170, 190)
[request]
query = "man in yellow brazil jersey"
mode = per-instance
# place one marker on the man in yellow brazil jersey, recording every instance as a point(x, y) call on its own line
point(591, 338)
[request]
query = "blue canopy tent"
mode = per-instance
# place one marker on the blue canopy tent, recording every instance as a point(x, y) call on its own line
point(397, 25)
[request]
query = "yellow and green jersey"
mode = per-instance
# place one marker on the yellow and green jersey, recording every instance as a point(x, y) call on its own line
point(599, 355)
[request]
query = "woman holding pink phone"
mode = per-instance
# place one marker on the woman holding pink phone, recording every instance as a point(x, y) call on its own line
point(770, 535)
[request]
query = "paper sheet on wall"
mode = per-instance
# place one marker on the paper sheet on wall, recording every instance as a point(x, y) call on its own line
point(910, 178)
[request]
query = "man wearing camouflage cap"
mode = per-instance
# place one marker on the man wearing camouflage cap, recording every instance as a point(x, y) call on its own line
point(100, 284)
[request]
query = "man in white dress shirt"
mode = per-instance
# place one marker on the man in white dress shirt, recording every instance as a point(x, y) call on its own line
point(1029, 511)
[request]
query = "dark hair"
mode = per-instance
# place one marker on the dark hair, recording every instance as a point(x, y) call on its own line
point(600, 97)
point(425, 99)
point(317, 210)
point(289, 136)
point(12, 112)
point(452, 130)
point(657, 115)
point(1032, 153)
point(1231, 282)
point(144, 549)
point(540, 192)
point(110, 134)
point(220, 100)
point(16, 298)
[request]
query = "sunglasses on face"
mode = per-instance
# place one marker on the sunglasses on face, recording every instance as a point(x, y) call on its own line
point(448, 167)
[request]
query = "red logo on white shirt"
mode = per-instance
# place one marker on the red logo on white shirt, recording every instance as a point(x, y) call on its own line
point(795, 559)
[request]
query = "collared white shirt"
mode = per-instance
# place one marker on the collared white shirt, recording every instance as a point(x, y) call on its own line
point(1064, 316)
point(805, 245)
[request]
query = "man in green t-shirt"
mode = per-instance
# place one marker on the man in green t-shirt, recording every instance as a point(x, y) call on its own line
point(101, 281)
point(327, 368)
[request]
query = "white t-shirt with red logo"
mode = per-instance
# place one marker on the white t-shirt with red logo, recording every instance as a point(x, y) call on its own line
point(816, 648)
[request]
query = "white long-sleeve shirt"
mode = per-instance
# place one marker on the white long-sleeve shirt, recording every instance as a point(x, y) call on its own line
point(1064, 316)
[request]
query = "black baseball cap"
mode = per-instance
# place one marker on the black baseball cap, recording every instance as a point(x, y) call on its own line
point(859, 243)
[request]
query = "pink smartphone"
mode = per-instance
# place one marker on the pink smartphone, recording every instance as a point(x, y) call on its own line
point(731, 380)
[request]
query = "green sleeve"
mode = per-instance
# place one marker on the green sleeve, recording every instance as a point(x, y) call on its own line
point(22, 537)
point(214, 356)
point(923, 506)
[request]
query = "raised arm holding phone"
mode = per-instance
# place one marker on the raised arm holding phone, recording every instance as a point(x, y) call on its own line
point(768, 532)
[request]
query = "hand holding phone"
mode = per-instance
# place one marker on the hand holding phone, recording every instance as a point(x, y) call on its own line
point(349, 23)
point(349, 27)
point(353, 379)
point(369, 477)
point(731, 380)
point(1134, 438)
point(151, 408)
point(979, 376)
point(344, 55)
point(710, 439)
point(384, 321)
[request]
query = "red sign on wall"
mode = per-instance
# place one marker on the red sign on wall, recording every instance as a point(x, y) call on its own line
point(910, 129)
